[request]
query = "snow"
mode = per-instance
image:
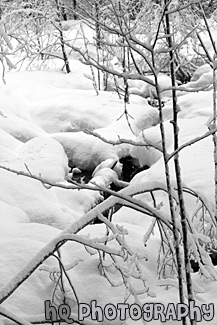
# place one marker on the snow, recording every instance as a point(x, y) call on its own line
point(49, 119)
point(200, 71)
point(146, 90)
point(85, 151)
point(78, 201)
point(90, 285)
point(19, 243)
point(41, 157)
point(39, 203)
point(8, 141)
point(68, 110)
point(197, 167)
point(12, 214)
point(192, 105)
point(13, 103)
point(195, 160)
point(113, 164)
point(206, 38)
point(104, 177)
point(19, 128)
point(45, 157)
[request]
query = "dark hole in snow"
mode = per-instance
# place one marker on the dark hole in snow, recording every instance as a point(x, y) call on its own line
point(83, 177)
point(154, 102)
point(183, 75)
point(130, 168)
point(195, 265)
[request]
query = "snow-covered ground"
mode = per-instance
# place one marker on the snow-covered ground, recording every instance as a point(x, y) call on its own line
point(47, 120)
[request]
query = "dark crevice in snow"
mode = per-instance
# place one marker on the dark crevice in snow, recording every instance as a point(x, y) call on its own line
point(130, 168)
point(195, 265)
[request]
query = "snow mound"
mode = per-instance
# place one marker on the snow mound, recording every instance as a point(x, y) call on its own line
point(196, 161)
point(143, 89)
point(44, 158)
point(39, 203)
point(128, 126)
point(19, 243)
point(152, 151)
point(41, 157)
point(113, 164)
point(79, 201)
point(68, 110)
point(13, 103)
point(86, 151)
point(19, 128)
point(203, 82)
point(104, 177)
point(8, 141)
point(11, 213)
point(23, 82)
point(192, 105)
point(200, 71)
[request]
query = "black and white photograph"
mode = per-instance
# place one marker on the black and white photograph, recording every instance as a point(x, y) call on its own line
point(108, 162)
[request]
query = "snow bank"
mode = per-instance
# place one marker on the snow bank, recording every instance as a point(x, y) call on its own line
point(13, 103)
point(86, 151)
point(152, 151)
point(45, 158)
point(39, 204)
point(200, 71)
point(197, 166)
point(19, 128)
point(42, 157)
point(192, 105)
point(11, 213)
point(8, 141)
point(65, 110)
point(22, 82)
point(143, 89)
point(19, 243)
point(78, 201)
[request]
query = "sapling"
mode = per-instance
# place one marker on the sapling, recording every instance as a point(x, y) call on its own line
point(60, 15)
